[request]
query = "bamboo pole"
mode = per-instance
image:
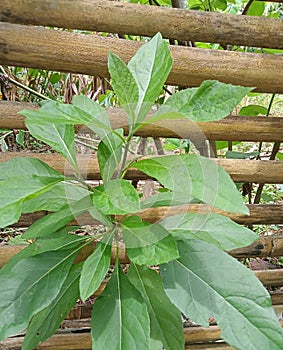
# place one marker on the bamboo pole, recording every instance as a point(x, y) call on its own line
point(232, 128)
point(240, 170)
point(79, 53)
point(82, 341)
point(260, 214)
point(266, 246)
point(125, 18)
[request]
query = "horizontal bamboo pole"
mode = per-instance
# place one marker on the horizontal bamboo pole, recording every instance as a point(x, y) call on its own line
point(36, 47)
point(125, 18)
point(267, 246)
point(82, 341)
point(240, 170)
point(259, 214)
point(232, 128)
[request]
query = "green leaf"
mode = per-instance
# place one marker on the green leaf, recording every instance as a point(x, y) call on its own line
point(14, 191)
point(124, 85)
point(83, 111)
point(109, 155)
point(150, 67)
point(195, 177)
point(137, 233)
point(26, 166)
point(30, 286)
point(256, 8)
point(207, 282)
point(95, 268)
point(253, 110)
point(60, 240)
point(213, 228)
point(213, 100)
point(116, 197)
point(157, 253)
point(240, 155)
point(53, 222)
point(165, 319)
point(47, 321)
point(92, 115)
point(120, 318)
point(61, 194)
point(59, 137)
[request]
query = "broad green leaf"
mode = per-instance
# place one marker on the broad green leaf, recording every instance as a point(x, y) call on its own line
point(256, 8)
point(63, 193)
point(207, 282)
point(119, 317)
point(48, 320)
point(154, 254)
point(95, 116)
point(195, 177)
point(165, 319)
point(124, 85)
point(30, 286)
point(116, 197)
point(60, 240)
point(213, 100)
point(95, 268)
point(82, 111)
point(150, 67)
point(253, 110)
point(14, 191)
point(109, 155)
point(53, 222)
point(26, 166)
point(167, 199)
point(213, 228)
point(137, 233)
point(59, 137)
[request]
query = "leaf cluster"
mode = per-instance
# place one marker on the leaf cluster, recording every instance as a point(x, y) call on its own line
point(140, 309)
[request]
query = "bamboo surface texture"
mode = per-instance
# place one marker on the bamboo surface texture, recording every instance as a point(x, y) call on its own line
point(43, 48)
point(109, 16)
point(240, 170)
point(265, 247)
point(82, 341)
point(232, 128)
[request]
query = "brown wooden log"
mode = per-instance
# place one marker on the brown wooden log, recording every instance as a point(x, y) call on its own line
point(36, 47)
point(257, 171)
point(259, 214)
point(270, 277)
point(124, 18)
point(82, 341)
point(232, 128)
point(267, 246)
point(277, 298)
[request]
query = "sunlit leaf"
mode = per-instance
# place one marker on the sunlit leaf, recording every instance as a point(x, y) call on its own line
point(195, 177)
point(213, 228)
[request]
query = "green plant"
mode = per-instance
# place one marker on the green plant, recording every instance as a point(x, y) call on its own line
point(140, 309)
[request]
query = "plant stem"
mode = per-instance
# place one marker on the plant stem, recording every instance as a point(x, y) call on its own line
point(38, 94)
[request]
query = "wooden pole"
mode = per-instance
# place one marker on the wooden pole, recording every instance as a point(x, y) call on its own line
point(240, 170)
point(43, 48)
point(267, 246)
point(124, 18)
point(232, 128)
point(82, 341)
